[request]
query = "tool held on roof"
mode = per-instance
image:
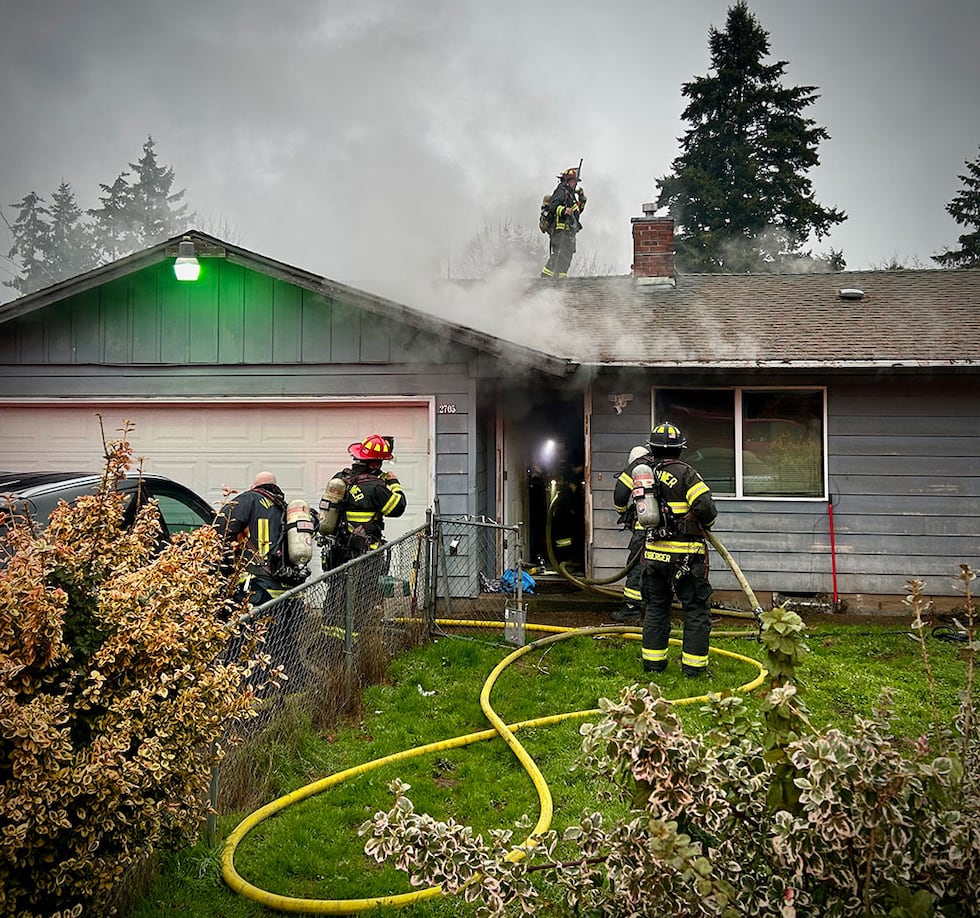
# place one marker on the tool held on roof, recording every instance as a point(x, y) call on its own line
point(330, 506)
point(299, 532)
point(645, 497)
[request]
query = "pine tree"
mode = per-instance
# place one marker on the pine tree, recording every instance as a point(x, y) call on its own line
point(739, 192)
point(965, 210)
point(31, 245)
point(111, 229)
point(71, 249)
point(154, 212)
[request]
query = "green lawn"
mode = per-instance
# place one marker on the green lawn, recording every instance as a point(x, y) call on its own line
point(311, 848)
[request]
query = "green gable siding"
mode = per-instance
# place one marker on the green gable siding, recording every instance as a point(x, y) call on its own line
point(231, 316)
point(146, 316)
point(85, 328)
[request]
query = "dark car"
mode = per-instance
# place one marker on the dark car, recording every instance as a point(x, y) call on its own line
point(38, 493)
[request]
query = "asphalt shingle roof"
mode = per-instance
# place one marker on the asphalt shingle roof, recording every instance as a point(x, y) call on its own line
point(905, 318)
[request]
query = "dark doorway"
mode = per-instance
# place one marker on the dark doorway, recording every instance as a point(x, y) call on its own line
point(546, 450)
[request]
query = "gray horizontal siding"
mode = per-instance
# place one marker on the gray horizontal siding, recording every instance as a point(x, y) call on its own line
point(210, 381)
point(904, 472)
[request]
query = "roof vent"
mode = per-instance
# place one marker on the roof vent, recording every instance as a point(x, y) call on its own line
point(850, 293)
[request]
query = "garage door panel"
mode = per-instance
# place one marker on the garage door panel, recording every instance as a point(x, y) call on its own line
point(213, 446)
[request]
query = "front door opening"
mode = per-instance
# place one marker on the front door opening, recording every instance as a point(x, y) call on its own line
point(545, 452)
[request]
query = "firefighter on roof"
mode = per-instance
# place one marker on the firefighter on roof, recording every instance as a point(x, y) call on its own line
point(560, 219)
point(675, 555)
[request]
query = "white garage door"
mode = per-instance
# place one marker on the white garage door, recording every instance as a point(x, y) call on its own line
point(213, 445)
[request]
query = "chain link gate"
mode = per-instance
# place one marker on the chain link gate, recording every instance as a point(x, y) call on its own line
point(478, 574)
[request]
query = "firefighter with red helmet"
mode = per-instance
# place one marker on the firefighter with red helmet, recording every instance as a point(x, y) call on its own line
point(675, 554)
point(560, 217)
point(354, 521)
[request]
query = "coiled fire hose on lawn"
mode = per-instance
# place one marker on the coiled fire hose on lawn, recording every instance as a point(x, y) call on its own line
point(505, 731)
point(595, 586)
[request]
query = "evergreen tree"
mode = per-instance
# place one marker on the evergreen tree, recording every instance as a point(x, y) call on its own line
point(111, 229)
point(71, 249)
point(52, 243)
point(965, 210)
point(154, 212)
point(739, 192)
point(31, 244)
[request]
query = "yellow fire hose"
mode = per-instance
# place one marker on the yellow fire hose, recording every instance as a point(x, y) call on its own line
point(505, 731)
point(595, 586)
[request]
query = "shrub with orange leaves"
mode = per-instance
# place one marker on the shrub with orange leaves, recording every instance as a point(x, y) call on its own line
point(119, 678)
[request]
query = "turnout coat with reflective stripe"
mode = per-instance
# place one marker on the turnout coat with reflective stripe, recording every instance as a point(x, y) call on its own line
point(371, 496)
point(689, 499)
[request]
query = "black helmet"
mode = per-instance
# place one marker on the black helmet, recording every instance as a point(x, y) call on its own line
point(667, 436)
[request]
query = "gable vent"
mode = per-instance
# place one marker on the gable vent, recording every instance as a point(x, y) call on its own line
point(850, 293)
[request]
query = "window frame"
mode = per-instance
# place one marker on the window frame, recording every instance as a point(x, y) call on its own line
point(738, 422)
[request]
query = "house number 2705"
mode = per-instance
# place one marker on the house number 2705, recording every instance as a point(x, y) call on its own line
point(447, 409)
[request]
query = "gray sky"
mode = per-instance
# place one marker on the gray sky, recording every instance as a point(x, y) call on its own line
point(369, 141)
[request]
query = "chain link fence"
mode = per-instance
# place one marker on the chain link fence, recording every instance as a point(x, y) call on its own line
point(325, 640)
point(335, 634)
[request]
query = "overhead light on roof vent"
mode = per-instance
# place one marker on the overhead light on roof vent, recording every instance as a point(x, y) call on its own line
point(850, 293)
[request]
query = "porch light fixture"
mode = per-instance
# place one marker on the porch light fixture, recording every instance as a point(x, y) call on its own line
point(186, 266)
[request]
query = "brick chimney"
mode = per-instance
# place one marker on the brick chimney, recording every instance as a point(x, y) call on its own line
point(653, 248)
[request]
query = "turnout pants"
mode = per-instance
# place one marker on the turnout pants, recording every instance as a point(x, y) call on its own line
point(633, 591)
point(562, 249)
point(662, 580)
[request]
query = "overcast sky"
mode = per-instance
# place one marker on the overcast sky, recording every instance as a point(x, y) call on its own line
point(368, 141)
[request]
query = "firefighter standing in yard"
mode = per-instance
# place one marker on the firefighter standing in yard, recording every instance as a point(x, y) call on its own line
point(369, 496)
point(252, 525)
point(632, 609)
point(252, 522)
point(675, 555)
point(560, 219)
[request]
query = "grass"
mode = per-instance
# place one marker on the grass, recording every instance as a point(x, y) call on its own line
point(311, 848)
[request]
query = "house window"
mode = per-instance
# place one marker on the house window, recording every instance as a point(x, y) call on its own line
point(751, 442)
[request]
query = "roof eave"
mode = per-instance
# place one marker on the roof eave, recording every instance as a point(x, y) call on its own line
point(784, 364)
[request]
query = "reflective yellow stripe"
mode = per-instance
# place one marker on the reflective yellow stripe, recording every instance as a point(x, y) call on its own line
point(563, 543)
point(393, 502)
point(695, 491)
point(669, 554)
point(680, 548)
point(654, 656)
point(547, 273)
point(262, 539)
point(695, 661)
point(630, 593)
point(360, 516)
point(679, 507)
point(626, 479)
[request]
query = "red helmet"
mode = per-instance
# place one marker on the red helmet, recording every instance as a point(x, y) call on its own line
point(370, 448)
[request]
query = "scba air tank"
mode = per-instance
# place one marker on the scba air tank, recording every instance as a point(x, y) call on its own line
point(299, 532)
point(645, 497)
point(330, 505)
